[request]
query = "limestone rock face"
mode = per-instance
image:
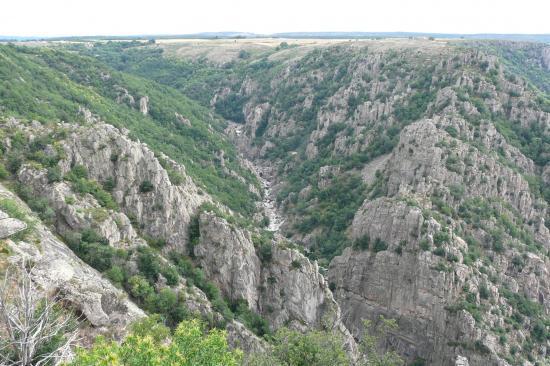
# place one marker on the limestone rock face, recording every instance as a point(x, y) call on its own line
point(164, 212)
point(144, 105)
point(228, 256)
point(240, 337)
point(418, 273)
point(10, 226)
point(58, 270)
point(287, 289)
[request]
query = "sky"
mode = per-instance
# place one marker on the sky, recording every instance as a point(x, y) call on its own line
point(123, 17)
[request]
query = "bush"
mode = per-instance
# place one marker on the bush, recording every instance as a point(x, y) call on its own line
point(54, 174)
point(14, 162)
point(484, 292)
point(457, 191)
point(266, 252)
point(379, 245)
point(439, 252)
point(171, 275)
point(148, 264)
point(441, 237)
point(362, 243)
point(146, 186)
point(314, 348)
point(116, 274)
point(81, 184)
point(190, 345)
point(175, 177)
point(139, 287)
point(77, 172)
point(253, 321)
point(425, 245)
point(109, 184)
point(296, 264)
point(3, 172)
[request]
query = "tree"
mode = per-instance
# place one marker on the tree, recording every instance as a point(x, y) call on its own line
point(37, 331)
point(313, 348)
point(190, 345)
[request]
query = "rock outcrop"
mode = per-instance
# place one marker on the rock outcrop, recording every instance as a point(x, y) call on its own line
point(10, 225)
point(284, 287)
point(57, 270)
point(416, 268)
point(163, 212)
point(144, 105)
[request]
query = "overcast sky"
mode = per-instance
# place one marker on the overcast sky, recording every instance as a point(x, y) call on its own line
point(122, 17)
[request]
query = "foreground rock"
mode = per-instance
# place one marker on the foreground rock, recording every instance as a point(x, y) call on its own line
point(57, 270)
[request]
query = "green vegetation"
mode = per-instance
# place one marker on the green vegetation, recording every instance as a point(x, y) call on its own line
point(313, 348)
point(48, 85)
point(362, 243)
point(78, 176)
point(379, 245)
point(146, 186)
point(189, 345)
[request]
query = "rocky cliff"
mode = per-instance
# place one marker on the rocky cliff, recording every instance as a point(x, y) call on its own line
point(159, 214)
point(408, 179)
point(427, 162)
point(57, 270)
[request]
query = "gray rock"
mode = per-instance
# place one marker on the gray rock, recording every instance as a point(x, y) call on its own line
point(144, 105)
point(58, 270)
point(10, 226)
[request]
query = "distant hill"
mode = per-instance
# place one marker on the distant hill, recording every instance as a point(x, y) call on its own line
point(545, 38)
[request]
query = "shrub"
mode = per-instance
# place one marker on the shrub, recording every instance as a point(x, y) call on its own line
point(484, 291)
point(3, 172)
point(379, 245)
point(424, 244)
point(54, 174)
point(77, 172)
point(175, 177)
point(139, 287)
point(148, 264)
point(266, 252)
point(171, 275)
point(109, 184)
point(190, 345)
point(517, 261)
point(362, 243)
point(457, 191)
point(158, 243)
point(116, 275)
point(253, 321)
point(146, 186)
point(314, 348)
point(439, 252)
point(451, 130)
point(441, 237)
point(296, 264)
point(14, 162)
point(540, 332)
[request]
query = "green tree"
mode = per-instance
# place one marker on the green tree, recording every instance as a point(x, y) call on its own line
point(190, 345)
point(313, 348)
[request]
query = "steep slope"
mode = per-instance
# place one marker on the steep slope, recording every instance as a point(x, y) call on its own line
point(57, 270)
point(43, 84)
point(140, 236)
point(426, 161)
